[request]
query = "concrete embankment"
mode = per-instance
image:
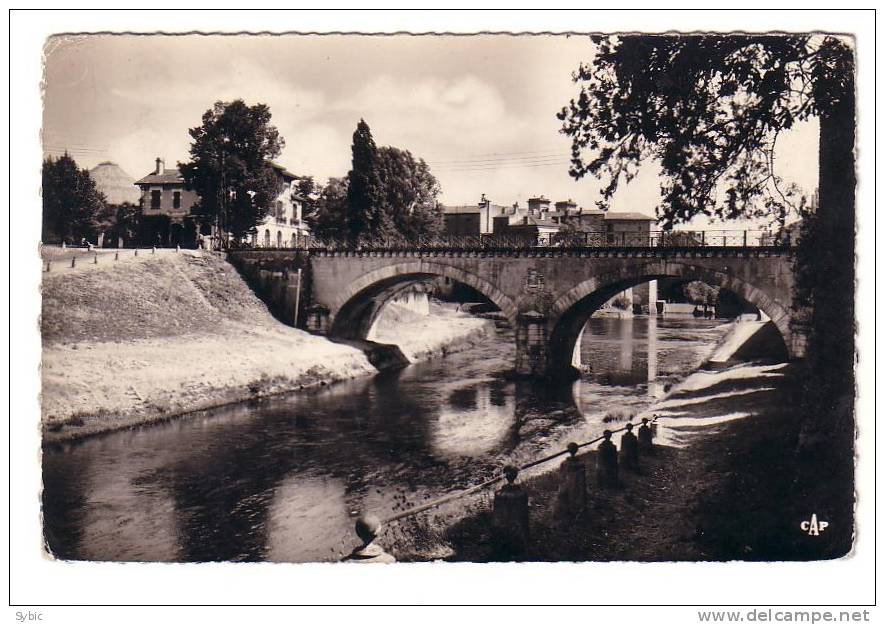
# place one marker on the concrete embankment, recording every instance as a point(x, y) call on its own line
point(130, 343)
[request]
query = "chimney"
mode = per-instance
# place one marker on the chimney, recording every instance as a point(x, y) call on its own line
point(161, 166)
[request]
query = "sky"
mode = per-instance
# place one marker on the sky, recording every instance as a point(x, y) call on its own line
point(481, 110)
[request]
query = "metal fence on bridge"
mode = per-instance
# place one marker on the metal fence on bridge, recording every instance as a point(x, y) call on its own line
point(649, 239)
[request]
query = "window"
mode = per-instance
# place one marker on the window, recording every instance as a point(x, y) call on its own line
point(280, 213)
point(176, 199)
point(279, 239)
point(156, 196)
point(267, 238)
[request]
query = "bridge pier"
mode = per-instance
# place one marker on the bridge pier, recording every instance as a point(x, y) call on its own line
point(532, 344)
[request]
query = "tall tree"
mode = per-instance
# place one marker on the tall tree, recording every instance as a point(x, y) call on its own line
point(709, 109)
point(410, 194)
point(231, 166)
point(367, 218)
point(72, 204)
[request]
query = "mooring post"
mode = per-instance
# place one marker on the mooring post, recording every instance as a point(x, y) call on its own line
point(153, 249)
point(117, 255)
point(95, 259)
point(572, 496)
point(630, 450)
point(48, 265)
point(367, 528)
point(646, 445)
point(136, 251)
point(73, 261)
point(607, 462)
point(510, 515)
point(177, 248)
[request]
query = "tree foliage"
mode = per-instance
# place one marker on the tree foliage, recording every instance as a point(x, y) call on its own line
point(230, 167)
point(120, 221)
point(708, 109)
point(388, 194)
point(698, 292)
point(366, 218)
point(410, 194)
point(307, 192)
point(328, 220)
point(72, 204)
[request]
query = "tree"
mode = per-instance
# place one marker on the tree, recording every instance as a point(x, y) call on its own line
point(410, 194)
point(72, 204)
point(231, 166)
point(307, 193)
point(367, 218)
point(708, 109)
point(328, 219)
point(120, 221)
point(698, 292)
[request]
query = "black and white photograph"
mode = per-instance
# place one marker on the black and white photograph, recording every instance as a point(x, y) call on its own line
point(480, 297)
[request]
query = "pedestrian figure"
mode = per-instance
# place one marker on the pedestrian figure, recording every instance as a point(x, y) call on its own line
point(367, 528)
point(571, 499)
point(630, 450)
point(510, 517)
point(646, 445)
point(607, 462)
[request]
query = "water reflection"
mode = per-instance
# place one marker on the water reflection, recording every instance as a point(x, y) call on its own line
point(281, 479)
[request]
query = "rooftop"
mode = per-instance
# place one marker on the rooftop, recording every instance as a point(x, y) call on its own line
point(628, 217)
point(461, 209)
point(173, 176)
point(285, 173)
point(170, 176)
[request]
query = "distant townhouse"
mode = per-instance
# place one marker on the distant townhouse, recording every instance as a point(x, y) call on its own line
point(545, 220)
point(462, 220)
point(628, 228)
point(470, 219)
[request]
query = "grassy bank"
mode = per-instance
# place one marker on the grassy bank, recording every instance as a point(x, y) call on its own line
point(137, 342)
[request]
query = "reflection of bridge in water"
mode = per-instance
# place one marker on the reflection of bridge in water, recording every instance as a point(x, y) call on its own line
point(546, 293)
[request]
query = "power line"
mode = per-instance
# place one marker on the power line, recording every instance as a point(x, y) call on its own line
point(515, 159)
point(506, 165)
point(500, 156)
point(54, 148)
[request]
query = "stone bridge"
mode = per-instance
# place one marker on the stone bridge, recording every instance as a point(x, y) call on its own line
point(546, 294)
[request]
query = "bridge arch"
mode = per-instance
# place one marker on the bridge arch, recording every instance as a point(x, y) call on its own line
point(571, 309)
point(358, 304)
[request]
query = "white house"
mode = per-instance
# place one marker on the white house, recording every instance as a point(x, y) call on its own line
point(284, 225)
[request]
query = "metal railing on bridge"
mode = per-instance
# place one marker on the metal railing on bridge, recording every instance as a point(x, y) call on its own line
point(673, 239)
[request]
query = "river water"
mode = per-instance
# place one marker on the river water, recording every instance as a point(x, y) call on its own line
point(282, 479)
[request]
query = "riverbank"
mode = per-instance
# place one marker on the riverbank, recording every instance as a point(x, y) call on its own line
point(134, 343)
point(725, 483)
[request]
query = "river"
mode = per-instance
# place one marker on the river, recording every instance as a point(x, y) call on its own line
point(282, 479)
